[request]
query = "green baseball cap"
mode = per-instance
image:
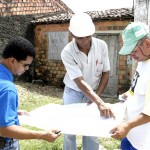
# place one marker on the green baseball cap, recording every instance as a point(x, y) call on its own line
point(131, 35)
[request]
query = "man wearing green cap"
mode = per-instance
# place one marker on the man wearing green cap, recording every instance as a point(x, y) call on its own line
point(136, 130)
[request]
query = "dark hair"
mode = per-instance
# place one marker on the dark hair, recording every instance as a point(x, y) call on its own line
point(19, 48)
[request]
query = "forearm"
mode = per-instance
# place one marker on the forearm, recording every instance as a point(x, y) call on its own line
point(139, 120)
point(88, 91)
point(18, 132)
point(103, 83)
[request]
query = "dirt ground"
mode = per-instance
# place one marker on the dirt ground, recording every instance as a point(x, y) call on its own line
point(24, 87)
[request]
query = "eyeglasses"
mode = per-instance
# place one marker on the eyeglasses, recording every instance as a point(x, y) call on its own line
point(139, 45)
point(24, 65)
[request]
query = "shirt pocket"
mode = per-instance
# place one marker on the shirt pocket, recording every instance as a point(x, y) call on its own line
point(98, 69)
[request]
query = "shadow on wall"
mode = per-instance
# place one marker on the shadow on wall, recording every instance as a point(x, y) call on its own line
point(29, 33)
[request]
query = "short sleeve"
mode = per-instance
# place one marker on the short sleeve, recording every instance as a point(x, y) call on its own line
point(72, 66)
point(8, 110)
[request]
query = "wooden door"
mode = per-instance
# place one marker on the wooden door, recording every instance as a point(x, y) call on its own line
point(112, 41)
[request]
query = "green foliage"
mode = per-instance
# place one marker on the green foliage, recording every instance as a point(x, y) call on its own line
point(33, 145)
point(110, 143)
point(41, 145)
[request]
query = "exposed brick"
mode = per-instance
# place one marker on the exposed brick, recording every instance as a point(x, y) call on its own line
point(122, 67)
point(1, 5)
point(122, 62)
point(57, 70)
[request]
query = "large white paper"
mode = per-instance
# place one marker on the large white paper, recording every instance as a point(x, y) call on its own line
point(77, 119)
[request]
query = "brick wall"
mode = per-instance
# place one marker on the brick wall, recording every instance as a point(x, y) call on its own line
point(53, 71)
point(16, 17)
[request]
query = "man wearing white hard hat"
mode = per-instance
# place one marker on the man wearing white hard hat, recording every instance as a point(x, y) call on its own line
point(136, 130)
point(87, 65)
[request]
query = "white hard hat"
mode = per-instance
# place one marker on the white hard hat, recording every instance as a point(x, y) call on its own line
point(81, 25)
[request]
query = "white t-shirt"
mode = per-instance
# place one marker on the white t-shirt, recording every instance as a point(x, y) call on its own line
point(79, 64)
point(140, 135)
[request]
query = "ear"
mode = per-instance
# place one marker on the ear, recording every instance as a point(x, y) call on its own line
point(12, 60)
point(147, 42)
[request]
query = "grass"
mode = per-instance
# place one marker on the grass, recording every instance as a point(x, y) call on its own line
point(34, 95)
point(41, 145)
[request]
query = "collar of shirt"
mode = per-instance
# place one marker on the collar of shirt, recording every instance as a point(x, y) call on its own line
point(5, 73)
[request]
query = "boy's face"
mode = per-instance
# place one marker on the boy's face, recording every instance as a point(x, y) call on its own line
point(19, 67)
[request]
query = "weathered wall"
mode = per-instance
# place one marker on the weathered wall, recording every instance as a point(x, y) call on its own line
point(53, 71)
point(141, 14)
point(15, 26)
point(16, 17)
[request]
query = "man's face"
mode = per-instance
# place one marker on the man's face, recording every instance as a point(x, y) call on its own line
point(19, 67)
point(83, 42)
point(141, 51)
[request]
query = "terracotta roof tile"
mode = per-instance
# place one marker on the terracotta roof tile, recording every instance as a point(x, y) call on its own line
point(61, 17)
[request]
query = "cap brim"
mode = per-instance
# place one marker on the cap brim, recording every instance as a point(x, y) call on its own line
point(127, 49)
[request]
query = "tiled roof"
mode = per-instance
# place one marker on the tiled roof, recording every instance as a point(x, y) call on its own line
point(31, 7)
point(58, 17)
point(112, 14)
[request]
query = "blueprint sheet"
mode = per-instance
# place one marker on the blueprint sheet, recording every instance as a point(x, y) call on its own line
point(77, 119)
